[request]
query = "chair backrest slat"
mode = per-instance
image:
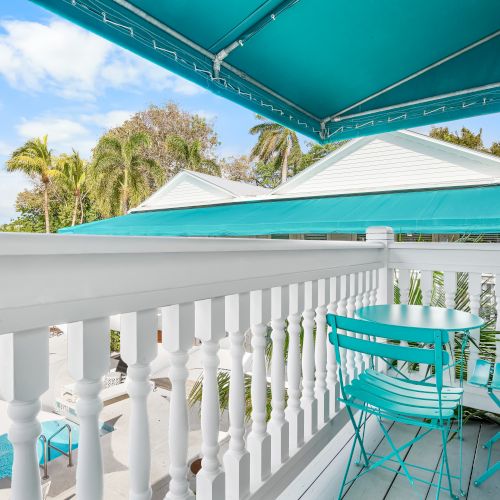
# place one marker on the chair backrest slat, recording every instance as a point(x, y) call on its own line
point(392, 332)
point(392, 351)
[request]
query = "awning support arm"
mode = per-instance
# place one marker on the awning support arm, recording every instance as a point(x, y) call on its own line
point(414, 75)
point(250, 32)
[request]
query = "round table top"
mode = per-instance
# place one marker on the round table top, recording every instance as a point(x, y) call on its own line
point(438, 318)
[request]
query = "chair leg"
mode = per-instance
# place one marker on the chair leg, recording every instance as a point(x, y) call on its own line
point(492, 441)
point(444, 438)
point(486, 474)
point(396, 452)
point(344, 479)
point(363, 425)
point(357, 433)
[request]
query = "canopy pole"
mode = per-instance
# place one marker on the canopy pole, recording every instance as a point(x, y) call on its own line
point(250, 32)
point(415, 75)
point(458, 93)
point(210, 55)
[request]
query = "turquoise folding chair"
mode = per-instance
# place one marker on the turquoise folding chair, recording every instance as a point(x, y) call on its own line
point(483, 377)
point(431, 406)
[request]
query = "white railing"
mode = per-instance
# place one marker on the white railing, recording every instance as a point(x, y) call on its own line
point(205, 289)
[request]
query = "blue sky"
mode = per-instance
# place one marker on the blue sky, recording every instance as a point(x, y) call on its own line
point(58, 79)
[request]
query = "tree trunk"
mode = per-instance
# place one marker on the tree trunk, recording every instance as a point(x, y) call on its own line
point(284, 165)
point(125, 193)
point(75, 210)
point(46, 207)
point(81, 209)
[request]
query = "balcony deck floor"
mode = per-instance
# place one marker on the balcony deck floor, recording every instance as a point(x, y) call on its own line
point(321, 479)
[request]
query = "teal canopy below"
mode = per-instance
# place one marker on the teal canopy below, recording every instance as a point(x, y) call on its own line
point(470, 210)
point(330, 69)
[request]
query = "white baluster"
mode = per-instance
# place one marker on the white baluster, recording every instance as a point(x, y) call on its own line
point(373, 297)
point(259, 441)
point(321, 392)
point(24, 358)
point(308, 401)
point(374, 277)
point(351, 307)
point(426, 283)
point(237, 458)
point(178, 335)
point(294, 413)
point(345, 284)
point(358, 304)
point(210, 329)
point(475, 303)
point(367, 284)
point(497, 307)
point(138, 347)
point(88, 362)
point(331, 360)
point(404, 295)
point(278, 426)
point(450, 290)
point(426, 280)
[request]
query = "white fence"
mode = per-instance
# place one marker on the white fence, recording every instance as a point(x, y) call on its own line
point(206, 289)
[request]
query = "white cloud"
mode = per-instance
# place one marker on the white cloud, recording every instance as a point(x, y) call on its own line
point(64, 134)
point(73, 63)
point(209, 116)
point(11, 183)
point(108, 120)
point(5, 149)
point(79, 133)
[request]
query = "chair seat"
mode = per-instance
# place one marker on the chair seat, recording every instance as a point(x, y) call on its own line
point(402, 397)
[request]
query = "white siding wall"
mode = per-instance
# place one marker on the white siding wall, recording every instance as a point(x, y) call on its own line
point(381, 165)
point(187, 192)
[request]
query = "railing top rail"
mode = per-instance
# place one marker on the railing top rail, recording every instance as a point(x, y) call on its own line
point(49, 244)
point(454, 246)
point(53, 279)
point(464, 257)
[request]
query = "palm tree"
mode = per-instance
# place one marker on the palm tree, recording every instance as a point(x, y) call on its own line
point(190, 155)
point(275, 144)
point(122, 175)
point(34, 158)
point(72, 175)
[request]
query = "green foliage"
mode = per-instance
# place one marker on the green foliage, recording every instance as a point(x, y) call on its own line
point(315, 153)
point(114, 341)
point(277, 146)
point(35, 159)
point(223, 380)
point(465, 138)
point(190, 155)
point(122, 175)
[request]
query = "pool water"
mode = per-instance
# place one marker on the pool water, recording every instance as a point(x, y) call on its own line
point(48, 429)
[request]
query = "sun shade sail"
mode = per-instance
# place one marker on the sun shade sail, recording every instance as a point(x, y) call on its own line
point(471, 210)
point(330, 69)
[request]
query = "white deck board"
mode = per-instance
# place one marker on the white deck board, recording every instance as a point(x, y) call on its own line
point(322, 477)
point(491, 487)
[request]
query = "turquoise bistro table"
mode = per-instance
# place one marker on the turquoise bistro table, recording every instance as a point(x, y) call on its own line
point(437, 318)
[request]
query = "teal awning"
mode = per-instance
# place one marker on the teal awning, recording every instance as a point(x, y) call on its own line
point(470, 210)
point(330, 69)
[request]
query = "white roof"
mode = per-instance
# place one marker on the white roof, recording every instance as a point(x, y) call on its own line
point(391, 162)
point(189, 189)
point(395, 161)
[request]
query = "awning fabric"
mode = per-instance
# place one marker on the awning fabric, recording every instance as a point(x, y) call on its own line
point(330, 69)
point(470, 210)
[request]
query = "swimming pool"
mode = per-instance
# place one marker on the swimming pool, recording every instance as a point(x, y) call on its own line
point(60, 441)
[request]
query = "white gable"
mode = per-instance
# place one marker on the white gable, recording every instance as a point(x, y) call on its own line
point(394, 161)
point(188, 189)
